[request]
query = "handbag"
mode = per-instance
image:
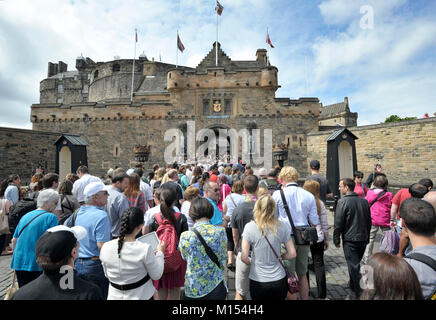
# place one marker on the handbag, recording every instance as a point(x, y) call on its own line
point(4, 220)
point(292, 280)
point(10, 291)
point(390, 242)
point(302, 235)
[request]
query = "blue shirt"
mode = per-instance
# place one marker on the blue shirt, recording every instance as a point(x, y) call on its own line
point(217, 218)
point(301, 204)
point(98, 228)
point(24, 253)
point(12, 194)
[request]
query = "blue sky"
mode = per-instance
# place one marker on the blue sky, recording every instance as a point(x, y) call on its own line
point(321, 50)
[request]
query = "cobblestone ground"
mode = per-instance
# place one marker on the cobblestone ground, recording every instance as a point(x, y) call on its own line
point(336, 272)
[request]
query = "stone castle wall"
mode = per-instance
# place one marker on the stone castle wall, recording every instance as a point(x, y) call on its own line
point(21, 150)
point(406, 150)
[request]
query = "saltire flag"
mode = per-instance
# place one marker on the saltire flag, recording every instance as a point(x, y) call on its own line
point(180, 44)
point(219, 8)
point(268, 40)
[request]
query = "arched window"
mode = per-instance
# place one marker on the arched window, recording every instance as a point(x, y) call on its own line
point(95, 74)
point(116, 67)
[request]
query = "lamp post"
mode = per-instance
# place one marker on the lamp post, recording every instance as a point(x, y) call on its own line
point(280, 153)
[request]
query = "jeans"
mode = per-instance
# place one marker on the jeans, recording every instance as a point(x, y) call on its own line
point(272, 291)
point(24, 277)
point(317, 250)
point(219, 293)
point(92, 271)
point(353, 252)
point(2, 242)
point(370, 246)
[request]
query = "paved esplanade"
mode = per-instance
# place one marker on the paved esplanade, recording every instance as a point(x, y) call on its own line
point(336, 271)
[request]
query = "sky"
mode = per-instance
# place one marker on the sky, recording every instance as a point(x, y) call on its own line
point(381, 54)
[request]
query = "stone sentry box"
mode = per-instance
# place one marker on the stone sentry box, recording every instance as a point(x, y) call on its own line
point(341, 157)
point(70, 154)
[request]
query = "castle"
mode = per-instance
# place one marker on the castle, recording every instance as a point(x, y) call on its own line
point(94, 102)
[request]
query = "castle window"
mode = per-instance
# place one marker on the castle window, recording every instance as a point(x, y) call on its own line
point(95, 74)
point(59, 100)
point(85, 88)
point(301, 142)
point(75, 78)
point(89, 75)
point(60, 89)
point(85, 99)
point(227, 106)
point(206, 106)
point(60, 76)
point(116, 67)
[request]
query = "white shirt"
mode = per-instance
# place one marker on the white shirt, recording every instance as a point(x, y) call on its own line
point(151, 212)
point(186, 205)
point(80, 185)
point(188, 174)
point(146, 190)
point(137, 260)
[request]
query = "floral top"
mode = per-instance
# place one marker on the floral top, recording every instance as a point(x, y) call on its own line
point(202, 274)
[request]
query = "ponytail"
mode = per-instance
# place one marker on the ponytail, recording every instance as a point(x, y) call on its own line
point(132, 218)
point(167, 200)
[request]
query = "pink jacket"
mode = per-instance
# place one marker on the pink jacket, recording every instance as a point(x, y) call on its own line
point(381, 209)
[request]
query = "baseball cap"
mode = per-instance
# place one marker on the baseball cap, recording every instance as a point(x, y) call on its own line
point(93, 188)
point(57, 242)
point(315, 164)
point(263, 172)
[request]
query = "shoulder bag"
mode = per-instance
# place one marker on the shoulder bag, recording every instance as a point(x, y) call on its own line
point(209, 251)
point(378, 197)
point(302, 235)
point(429, 261)
point(30, 223)
point(292, 278)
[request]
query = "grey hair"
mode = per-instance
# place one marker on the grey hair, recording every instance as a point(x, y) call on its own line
point(207, 185)
point(47, 196)
point(172, 173)
point(89, 200)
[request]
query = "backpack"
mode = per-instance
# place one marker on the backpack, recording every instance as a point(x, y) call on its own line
point(167, 233)
point(390, 242)
point(271, 187)
point(18, 210)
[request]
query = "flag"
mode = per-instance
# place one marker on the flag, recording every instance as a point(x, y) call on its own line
point(268, 40)
point(180, 44)
point(219, 8)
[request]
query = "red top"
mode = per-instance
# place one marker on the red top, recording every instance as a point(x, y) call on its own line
point(360, 192)
point(399, 197)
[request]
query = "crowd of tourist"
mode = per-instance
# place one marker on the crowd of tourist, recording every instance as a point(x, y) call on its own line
point(211, 218)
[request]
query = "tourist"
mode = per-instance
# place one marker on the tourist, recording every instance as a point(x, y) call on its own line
point(196, 175)
point(302, 207)
point(191, 193)
point(236, 175)
point(69, 203)
point(317, 249)
point(84, 179)
point(242, 215)
point(204, 278)
point(225, 190)
point(200, 183)
point(72, 177)
point(35, 185)
point(184, 182)
point(174, 186)
point(426, 183)
point(189, 173)
point(360, 187)
point(212, 194)
point(214, 173)
point(145, 189)
point(56, 251)
point(228, 174)
point(129, 264)
point(5, 205)
point(391, 278)
point(265, 235)
point(230, 203)
point(135, 197)
point(98, 227)
point(271, 182)
point(262, 175)
point(353, 225)
point(373, 175)
point(380, 202)
point(12, 192)
point(160, 173)
point(30, 228)
point(419, 222)
point(418, 190)
point(169, 285)
point(117, 202)
point(324, 190)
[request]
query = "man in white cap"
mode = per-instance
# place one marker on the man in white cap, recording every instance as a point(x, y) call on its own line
point(95, 220)
point(56, 251)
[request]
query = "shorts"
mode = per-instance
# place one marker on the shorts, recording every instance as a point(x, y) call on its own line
point(242, 280)
point(299, 264)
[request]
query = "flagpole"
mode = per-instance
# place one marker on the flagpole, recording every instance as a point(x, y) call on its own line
point(177, 48)
point(133, 69)
point(267, 52)
point(216, 44)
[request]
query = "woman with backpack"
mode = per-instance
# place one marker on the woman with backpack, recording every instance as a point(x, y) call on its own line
point(69, 203)
point(204, 278)
point(169, 225)
point(129, 262)
point(361, 189)
point(380, 203)
point(199, 184)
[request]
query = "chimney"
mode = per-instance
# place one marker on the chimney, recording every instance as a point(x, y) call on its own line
point(52, 69)
point(62, 67)
point(261, 56)
point(346, 100)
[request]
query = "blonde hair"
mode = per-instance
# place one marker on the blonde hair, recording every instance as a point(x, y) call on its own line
point(289, 174)
point(160, 173)
point(262, 190)
point(265, 215)
point(165, 178)
point(191, 193)
point(313, 187)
